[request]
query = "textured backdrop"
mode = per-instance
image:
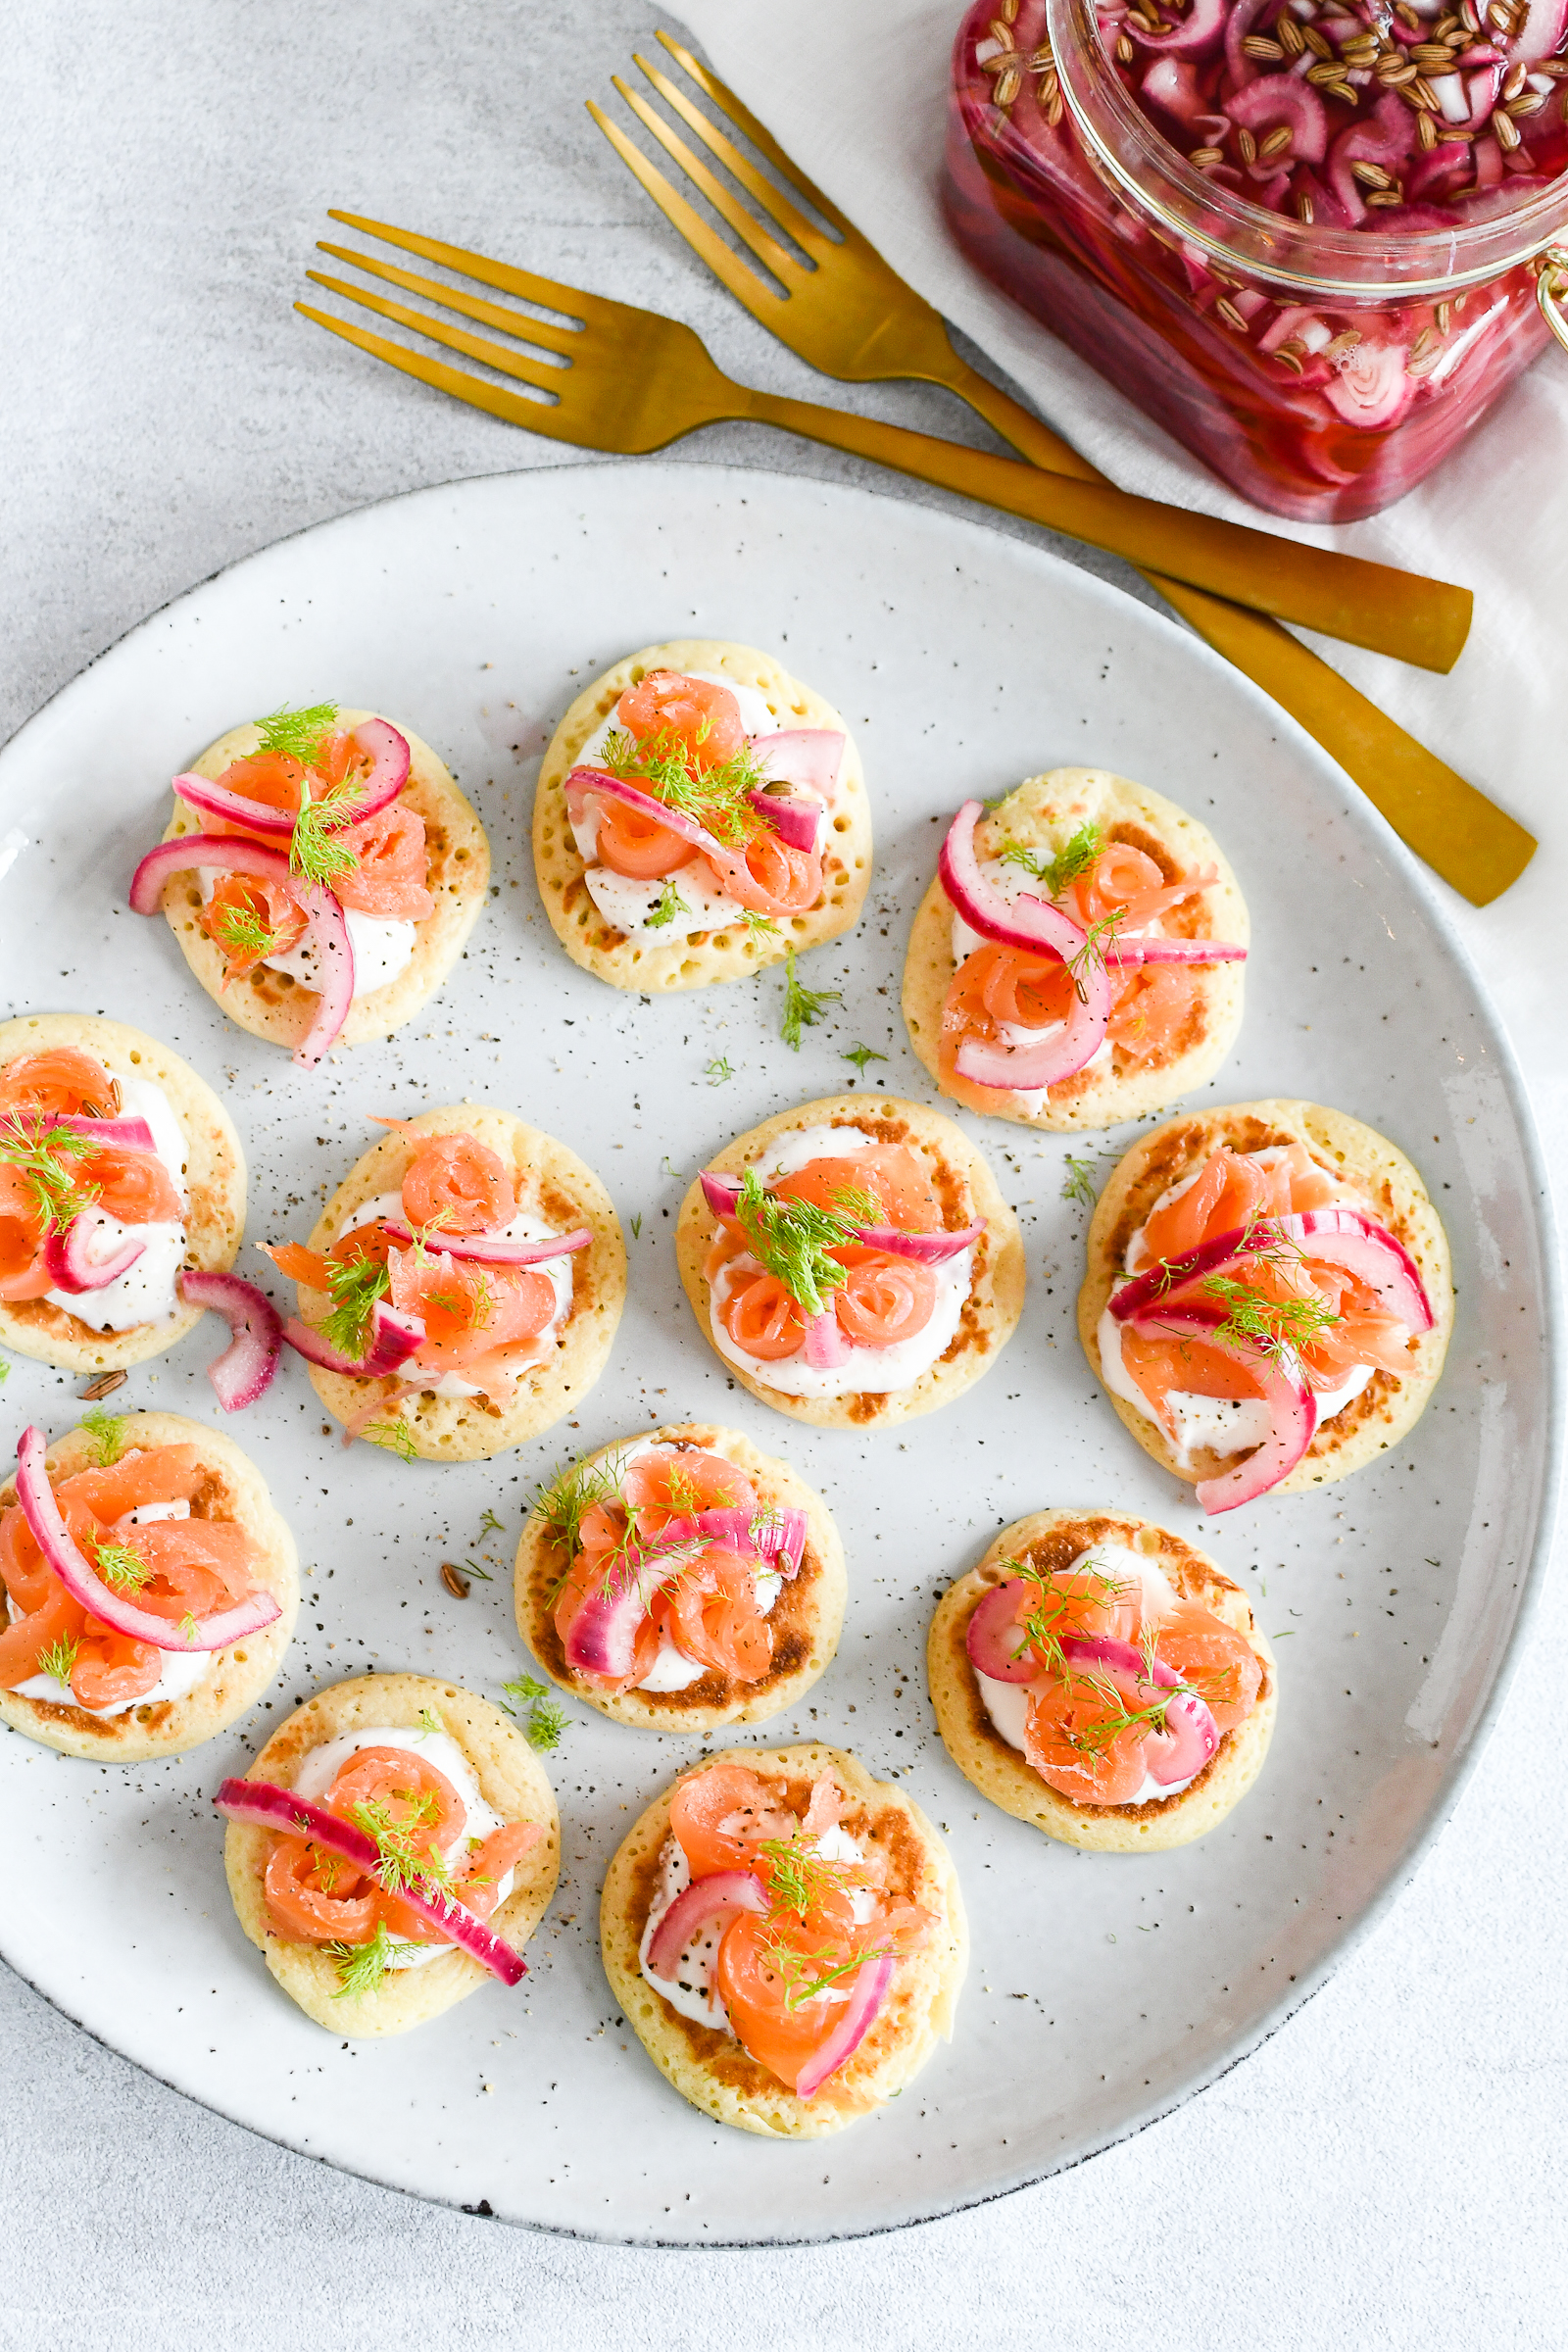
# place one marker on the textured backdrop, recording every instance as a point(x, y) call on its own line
point(1390, 2167)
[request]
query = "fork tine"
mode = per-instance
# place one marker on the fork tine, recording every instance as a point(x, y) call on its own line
point(570, 300)
point(473, 305)
point(760, 135)
point(510, 405)
point(743, 282)
point(767, 250)
point(775, 205)
point(456, 338)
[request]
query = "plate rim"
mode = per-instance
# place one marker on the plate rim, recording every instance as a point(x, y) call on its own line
point(1381, 838)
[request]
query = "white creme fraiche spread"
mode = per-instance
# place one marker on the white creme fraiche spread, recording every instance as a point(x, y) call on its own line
point(183, 1669)
point(1221, 1424)
point(382, 950)
point(865, 1371)
point(671, 1670)
point(691, 1989)
point(523, 1227)
point(1007, 1703)
point(147, 1291)
point(631, 903)
point(320, 1768)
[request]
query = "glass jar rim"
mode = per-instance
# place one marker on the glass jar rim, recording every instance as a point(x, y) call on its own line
point(1352, 264)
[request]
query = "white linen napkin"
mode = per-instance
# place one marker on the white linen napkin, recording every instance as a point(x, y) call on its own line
point(855, 92)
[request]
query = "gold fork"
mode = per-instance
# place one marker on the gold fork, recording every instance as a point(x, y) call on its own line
point(635, 381)
point(852, 317)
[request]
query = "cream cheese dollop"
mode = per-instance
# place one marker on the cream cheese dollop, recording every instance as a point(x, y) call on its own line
point(147, 1291)
point(322, 1766)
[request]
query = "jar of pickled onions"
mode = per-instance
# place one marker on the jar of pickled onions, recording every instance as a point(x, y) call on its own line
point(1313, 239)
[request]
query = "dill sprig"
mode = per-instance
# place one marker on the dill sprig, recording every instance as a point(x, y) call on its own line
point(563, 1504)
point(792, 1239)
point(717, 798)
point(1278, 1328)
point(241, 930)
point(121, 1569)
point(395, 1436)
point(357, 1282)
point(718, 1070)
point(1100, 941)
point(1081, 1184)
point(41, 1152)
point(490, 1525)
point(106, 1435)
point(671, 904)
point(315, 852)
point(297, 734)
point(430, 1721)
point(800, 1879)
point(808, 1974)
point(803, 1007)
point(756, 924)
point(406, 1859)
point(547, 1718)
point(360, 1967)
point(1059, 872)
point(58, 1659)
point(861, 1056)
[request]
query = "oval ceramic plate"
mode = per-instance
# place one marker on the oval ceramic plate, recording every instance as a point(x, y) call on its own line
point(1102, 1990)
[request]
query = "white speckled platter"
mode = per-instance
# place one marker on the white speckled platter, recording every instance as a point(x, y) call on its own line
point(1102, 1990)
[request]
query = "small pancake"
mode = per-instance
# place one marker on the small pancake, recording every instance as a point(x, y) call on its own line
point(710, 2068)
point(1052, 1540)
point(967, 1191)
point(1043, 814)
point(635, 960)
point(806, 1618)
point(512, 1780)
point(214, 1175)
point(1386, 1184)
point(168, 1727)
point(273, 1004)
point(564, 1192)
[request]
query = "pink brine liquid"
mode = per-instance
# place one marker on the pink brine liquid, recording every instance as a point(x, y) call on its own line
point(1293, 362)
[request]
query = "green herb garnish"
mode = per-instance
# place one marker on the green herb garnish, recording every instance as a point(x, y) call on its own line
point(547, 1719)
point(1080, 1184)
point(756, 924)
point(718, 798)
point(803, 1007)
point(58, 1659)
point(565, 1501)
point(121, 1569)
point(315, 852)
point(106, 1434)
point(637, 1226)
point(490, 1525)
point(1278, 1328)
point(717, 1070)
point(671, 904)
point(297, 734)
point(360, 1967)
point(430, 1721)
point(41, 1152)
point(395, 1436)
point(357, 1284)
point(861, 1056)
point(241, 930)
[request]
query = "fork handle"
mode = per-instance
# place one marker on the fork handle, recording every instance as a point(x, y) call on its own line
point(1415, 619)
point(1477, 847)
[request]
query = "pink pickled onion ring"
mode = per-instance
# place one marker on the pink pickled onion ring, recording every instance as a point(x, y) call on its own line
point(266, 1806)
point(244, 1371)
point(389, 772)
point(601, 1639)
point(220, 852)
point(825, 1347)
point(55, 1541)
point(855, 2020)
point(117, 1135)
point(495, 1251)
point(583, 782)
point(1342, 1237)
point(394, 1336)
point(328, 935)
point(89, 1256)
point(997, 1643)
point(723, 1894)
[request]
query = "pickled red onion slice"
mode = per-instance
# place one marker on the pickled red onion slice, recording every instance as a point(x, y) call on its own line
point(855, 2020)
point(93, 1250)
point(55, 1541)
point(389, 772)
point(721, 1192)
point(244, 1371)
point(266, 1806)
point(494, 1249)
point(996, 1640)
point(722, 1895)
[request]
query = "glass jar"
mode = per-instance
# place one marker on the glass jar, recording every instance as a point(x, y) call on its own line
point(1321, 372)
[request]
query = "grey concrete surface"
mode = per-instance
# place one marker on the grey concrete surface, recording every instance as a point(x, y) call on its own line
point(1389, 2170)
